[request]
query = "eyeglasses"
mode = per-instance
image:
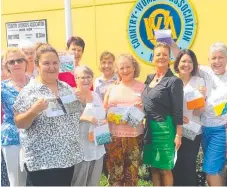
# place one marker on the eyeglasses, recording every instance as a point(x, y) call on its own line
point(61, 104)
point(89, 78)
point(13, 62)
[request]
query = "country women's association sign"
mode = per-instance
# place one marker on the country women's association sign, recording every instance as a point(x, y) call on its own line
point(147, 16)
point(33, 30)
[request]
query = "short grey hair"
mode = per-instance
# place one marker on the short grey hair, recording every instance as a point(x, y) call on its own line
point(24, 44)
point(84, 69)
point(218, 46)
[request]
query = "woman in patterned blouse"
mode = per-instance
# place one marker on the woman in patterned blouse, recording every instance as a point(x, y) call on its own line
point(15, 62)
point(48, 113)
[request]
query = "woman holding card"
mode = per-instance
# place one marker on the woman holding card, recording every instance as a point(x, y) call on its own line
point(48, 113)
point(214, 118)
point(88, 172)
point(186, 66)
point(123, 153)
point(163, 104)
point(15, 63)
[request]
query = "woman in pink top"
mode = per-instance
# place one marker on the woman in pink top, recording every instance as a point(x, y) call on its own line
point(123, 154)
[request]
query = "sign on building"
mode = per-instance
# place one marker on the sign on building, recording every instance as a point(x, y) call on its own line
point(147, 16)
point(34, 31)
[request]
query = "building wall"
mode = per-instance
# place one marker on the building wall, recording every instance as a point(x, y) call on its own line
point(102, 24)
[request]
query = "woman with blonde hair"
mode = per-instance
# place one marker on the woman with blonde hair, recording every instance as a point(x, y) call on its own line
point(15, 62)
point(163, 105)
point(123, 153)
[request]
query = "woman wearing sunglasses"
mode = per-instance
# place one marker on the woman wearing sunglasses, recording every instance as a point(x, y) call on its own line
point(48, 114)
point(15, 62)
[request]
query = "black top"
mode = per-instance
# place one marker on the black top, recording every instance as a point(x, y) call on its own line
point(166, 98)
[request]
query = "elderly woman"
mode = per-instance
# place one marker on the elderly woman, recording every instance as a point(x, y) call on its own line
point(29, 50)
point(214, 135)
point(48, 113)
point(123, 153)
point(15, 62)
point(88, 172)
point(163, 104)
point(108, 76)
point(186, 66)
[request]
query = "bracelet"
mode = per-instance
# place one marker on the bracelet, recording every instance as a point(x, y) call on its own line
point(178, 136)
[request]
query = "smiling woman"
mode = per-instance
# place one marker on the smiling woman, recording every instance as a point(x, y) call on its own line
point(123, 153)
point(48, 113)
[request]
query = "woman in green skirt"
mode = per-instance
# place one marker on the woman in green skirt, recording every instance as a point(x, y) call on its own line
point(163, 104)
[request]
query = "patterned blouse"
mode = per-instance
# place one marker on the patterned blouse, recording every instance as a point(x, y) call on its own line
point(9, 131)
point(101, 85)
point(53, 139)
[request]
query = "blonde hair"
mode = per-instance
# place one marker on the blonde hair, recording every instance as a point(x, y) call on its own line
point(162, 44)
point(13, 50)
point(105, 55)
point(134, 63)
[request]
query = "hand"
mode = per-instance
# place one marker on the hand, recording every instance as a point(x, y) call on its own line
point(39, 106)
point(177, 142)
point(203, 90)
point(80, 97)
point(138, 104)
point(90, 119)
point(185, 120)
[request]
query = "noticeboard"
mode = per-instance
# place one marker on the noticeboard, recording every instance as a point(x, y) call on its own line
point(33, 30)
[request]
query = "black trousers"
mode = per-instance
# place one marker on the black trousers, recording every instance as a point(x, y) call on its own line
point(184, 171)
point(51, 177)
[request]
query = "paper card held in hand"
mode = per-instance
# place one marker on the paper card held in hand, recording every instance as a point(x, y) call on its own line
point(133, 116)
point(115, 114)
point(218, 100)
point(163, 36)
point(194, 99)
point(102, 135)
point(191, 130)
point(67, 63)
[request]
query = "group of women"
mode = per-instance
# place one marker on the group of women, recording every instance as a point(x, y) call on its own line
point(49, 116)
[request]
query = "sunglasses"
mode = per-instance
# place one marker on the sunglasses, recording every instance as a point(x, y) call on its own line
point(13, 62)
point(61, 104)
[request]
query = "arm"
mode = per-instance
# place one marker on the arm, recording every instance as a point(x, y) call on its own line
point(175, 49)
point(106, 98)
point(24, 120)
point(177, 108)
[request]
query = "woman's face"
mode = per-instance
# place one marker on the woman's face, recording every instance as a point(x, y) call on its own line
point(218, 61)
point(84, 80)
point(126, 69)
point(77, 51)
point(161, 57)
point(16, 63)
point(107, 66)
point(185, 65)
point(49, 67)
point(30, 54)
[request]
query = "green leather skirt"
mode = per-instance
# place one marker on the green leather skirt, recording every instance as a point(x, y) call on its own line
point(160, 152)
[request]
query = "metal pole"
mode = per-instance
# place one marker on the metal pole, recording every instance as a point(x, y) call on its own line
point(68, 19)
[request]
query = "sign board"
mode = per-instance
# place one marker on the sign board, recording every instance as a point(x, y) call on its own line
point(147, 16)
point(34, 31)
